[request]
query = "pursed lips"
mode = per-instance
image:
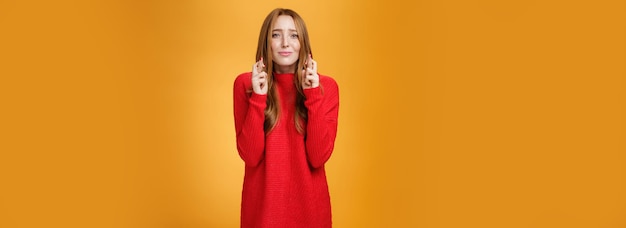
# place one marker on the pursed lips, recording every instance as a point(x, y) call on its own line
point(284, 53)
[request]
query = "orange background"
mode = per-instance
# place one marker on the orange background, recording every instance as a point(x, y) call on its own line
point(453, 113)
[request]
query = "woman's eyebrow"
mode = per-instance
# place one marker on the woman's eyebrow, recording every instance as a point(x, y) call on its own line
point(280, 30)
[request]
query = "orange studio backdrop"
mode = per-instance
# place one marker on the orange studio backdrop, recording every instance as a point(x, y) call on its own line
point(452, 113)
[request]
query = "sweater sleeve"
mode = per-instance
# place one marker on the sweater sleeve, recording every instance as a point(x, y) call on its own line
point(323, 108)
point(249, 112)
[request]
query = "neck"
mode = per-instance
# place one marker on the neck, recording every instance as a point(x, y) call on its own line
point(284, 69)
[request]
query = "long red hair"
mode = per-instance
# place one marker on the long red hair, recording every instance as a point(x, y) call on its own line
point(264, 50)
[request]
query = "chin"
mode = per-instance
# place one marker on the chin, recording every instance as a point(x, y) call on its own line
point(286, 64)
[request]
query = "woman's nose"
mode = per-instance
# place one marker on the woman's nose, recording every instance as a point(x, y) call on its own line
point(285, 42)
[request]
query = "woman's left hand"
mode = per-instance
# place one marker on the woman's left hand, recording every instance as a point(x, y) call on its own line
point(310, 77)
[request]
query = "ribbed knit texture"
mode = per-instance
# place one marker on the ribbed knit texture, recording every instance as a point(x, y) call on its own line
point(285, 181)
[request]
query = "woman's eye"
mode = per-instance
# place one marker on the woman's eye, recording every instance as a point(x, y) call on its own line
point(294, 35)
point(275, 35)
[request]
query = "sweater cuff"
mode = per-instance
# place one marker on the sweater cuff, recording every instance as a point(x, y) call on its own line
point(313, 93)
point(258, 100)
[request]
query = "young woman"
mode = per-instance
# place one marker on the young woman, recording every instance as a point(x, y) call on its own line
point(286, 124)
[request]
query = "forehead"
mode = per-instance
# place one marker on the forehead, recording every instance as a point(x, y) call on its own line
point(284, 22)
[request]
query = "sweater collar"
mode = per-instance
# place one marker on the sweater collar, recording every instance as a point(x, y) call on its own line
point(288, 77)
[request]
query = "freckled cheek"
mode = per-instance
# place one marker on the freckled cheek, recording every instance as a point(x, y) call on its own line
point(296, 46)
point(275, 45)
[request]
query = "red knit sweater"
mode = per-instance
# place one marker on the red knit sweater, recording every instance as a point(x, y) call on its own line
point(285, 182)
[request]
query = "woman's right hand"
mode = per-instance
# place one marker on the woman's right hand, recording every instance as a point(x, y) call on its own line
point(259, 78)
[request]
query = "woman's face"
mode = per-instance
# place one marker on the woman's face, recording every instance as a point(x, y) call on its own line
point(285, 44)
